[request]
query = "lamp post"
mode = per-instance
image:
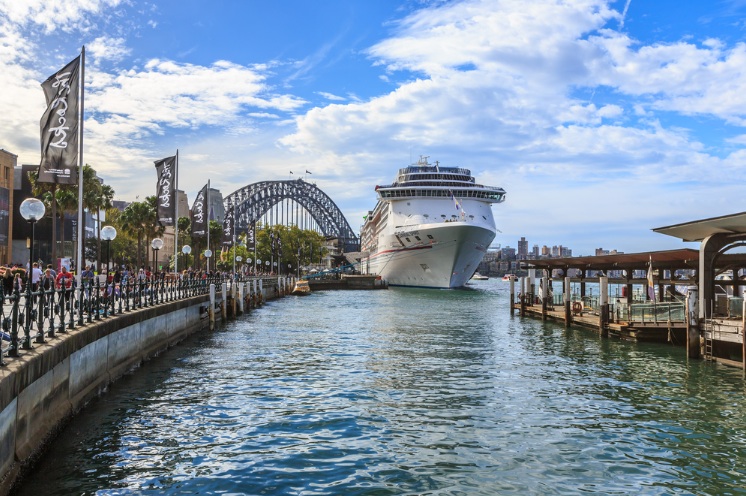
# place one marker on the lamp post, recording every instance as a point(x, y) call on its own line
point(239, 259)
point(248, 261)
point(186, 250)
point(208, 254)
point(156, 244)
point(108, 234)
point(268, 267)
point(257, 262)
point(32, 209)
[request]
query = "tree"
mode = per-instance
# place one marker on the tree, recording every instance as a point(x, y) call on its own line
point(137, 219)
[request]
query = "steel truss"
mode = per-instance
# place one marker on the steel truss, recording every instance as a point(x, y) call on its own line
point(254, 200)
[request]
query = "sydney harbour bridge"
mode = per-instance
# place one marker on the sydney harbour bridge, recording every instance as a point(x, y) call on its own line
point(292, 202)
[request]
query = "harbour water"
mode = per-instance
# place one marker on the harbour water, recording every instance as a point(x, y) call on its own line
point(406, 391)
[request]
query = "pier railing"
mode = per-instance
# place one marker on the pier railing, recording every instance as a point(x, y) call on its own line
point(28, 316)
point(653, 313)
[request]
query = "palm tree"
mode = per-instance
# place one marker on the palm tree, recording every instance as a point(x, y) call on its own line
point(136, 220)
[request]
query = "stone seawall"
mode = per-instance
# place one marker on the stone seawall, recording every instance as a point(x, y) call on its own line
point(43, 387)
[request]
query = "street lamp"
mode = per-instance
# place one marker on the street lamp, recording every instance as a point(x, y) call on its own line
point(239, 259)
point(208, 254)
point(108, 233)
point(156, 244)
point(267, 264)
point(186, 250)
point(32, 209)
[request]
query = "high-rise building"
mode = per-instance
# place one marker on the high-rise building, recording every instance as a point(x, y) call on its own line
point(522, 253)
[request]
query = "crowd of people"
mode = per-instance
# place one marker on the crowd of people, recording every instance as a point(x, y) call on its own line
point(46, 277)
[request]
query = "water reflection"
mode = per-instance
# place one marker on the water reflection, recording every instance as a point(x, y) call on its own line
point(407, 392)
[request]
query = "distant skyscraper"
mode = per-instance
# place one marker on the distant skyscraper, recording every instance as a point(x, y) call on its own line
point(522, 253)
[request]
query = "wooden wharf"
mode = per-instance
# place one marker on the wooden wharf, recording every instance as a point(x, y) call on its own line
point(711, 329)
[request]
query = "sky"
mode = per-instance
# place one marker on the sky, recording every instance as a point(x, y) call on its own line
point(601, 119)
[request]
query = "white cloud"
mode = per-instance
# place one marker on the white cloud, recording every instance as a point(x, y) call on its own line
point(107, 48)
point(70, 15)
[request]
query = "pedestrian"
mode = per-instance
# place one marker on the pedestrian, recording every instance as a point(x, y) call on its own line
point(36, 275)
point(17, 282)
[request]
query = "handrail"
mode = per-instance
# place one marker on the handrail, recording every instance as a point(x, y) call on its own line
point(37, 315)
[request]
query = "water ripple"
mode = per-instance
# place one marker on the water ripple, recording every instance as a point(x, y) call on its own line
point(406, 392)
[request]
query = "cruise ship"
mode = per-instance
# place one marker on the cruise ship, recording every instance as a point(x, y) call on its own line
point(430, 228)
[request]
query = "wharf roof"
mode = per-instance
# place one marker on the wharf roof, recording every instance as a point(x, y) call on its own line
point(685, 258)
point(697, 230)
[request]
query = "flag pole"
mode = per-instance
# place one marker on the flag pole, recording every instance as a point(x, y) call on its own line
point(176, 217)
point(207, 196)
point(79, 262)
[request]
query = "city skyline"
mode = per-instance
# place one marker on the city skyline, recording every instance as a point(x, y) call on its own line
point(601, 119)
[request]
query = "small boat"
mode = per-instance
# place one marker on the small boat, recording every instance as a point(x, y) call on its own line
point(479, 277)
point(509, 277)
point(301, 288)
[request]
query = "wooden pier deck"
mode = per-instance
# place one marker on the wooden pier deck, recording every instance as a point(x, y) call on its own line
point(726, 335)
point(658, 332)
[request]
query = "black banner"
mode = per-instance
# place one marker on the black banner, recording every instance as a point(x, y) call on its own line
point(199, 214)
point(166, 190)
point(59, 126)
point(250, 236)
point(228, 226)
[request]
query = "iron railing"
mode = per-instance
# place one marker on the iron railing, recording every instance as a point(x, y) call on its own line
point(34, 316)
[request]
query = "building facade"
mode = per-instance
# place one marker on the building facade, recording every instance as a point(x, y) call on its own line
point(7, 174)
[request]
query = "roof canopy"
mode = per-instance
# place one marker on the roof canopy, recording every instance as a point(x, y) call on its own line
point(671, 259)
point(700, 229)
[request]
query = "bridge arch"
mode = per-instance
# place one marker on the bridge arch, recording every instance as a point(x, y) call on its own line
point(254, 201)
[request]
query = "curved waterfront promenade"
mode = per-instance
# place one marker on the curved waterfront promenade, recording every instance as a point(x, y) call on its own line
point(45, 385)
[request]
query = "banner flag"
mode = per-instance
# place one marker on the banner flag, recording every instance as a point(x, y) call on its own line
point(166, 190)
point(250, 235)
point(228, 227)
point(199, 214)
point(60, 125)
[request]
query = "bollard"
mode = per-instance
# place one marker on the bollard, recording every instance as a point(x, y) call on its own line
point(523, 296)
point(512, 295)
point(603, 311)
point(211, 309)
point(568, 302)
point(239, 295)
point(544, 295)
point(224, 302)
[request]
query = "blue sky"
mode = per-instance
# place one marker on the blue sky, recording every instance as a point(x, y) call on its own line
point(601, 119)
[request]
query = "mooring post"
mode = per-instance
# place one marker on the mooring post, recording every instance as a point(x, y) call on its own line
point(523, 296)
point(603, 313)
point(743, 335)
point(568, 303)
point(512, 295)
point(211, 308)
point(691, 307)
point(241, 291)
point(234, 296)
point(223, 304)
point(544, 295)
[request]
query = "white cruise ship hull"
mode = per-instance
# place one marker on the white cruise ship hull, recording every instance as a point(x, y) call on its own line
point(445, 256)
